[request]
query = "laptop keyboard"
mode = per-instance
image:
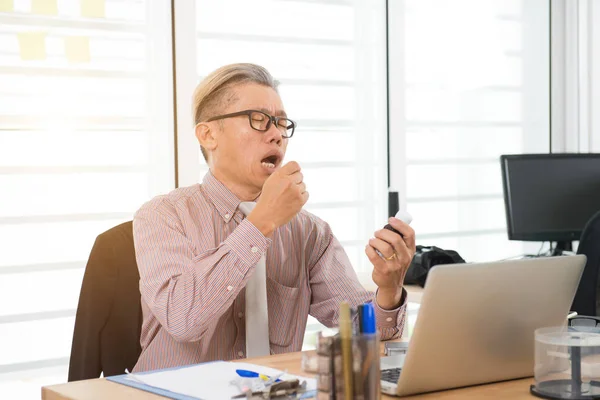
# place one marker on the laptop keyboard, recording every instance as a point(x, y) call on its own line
point(391, 375)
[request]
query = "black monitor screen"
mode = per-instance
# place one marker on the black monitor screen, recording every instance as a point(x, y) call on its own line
point(550, 197)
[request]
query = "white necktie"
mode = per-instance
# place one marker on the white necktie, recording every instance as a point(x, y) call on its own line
point(257, 314)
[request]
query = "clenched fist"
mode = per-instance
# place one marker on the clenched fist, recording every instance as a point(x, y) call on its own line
point(391, 254)
point(283, 195)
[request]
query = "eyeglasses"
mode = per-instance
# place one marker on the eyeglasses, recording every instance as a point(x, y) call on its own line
point(261, 121)
point(584, 321)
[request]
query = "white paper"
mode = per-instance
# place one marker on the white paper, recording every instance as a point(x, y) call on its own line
point(210, 381)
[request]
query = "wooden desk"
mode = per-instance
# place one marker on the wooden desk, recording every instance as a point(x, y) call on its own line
point(97, 389)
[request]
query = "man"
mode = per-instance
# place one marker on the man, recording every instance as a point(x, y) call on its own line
point(197, 250)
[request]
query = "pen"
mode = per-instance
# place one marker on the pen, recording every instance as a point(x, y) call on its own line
point(346, 338)
point(361, 311)
point(368, 325)
point(244, 373)
point(370, 375)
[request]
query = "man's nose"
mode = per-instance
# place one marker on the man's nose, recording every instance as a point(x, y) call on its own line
point(274, 135)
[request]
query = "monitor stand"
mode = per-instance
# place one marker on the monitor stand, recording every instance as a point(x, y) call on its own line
point(562, 246)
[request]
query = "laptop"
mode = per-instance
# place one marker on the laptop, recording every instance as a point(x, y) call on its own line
point(476, 323)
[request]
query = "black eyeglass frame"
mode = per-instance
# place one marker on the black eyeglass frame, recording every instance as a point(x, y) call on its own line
point(271, 120)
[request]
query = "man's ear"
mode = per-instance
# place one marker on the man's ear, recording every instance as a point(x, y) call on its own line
point(206, 135)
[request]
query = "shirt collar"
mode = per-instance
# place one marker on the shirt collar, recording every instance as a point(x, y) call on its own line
point(222, 198)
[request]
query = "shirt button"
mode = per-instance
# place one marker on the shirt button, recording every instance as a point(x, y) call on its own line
point(240, 314)
point(389, 319)
point(254, 249)
point(227, 216)
point(229, 288)
point(241, 353)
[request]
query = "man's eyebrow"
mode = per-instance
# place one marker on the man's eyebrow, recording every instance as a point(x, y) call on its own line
point(278, 113)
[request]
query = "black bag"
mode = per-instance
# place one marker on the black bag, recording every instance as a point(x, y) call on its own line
point(426, 258)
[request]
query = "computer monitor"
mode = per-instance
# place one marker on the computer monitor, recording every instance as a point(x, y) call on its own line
point(550, 197)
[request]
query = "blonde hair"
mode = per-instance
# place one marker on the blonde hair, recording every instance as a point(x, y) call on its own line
point(214, 93)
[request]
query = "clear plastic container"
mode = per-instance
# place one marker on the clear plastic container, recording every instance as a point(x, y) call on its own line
point(567, 363)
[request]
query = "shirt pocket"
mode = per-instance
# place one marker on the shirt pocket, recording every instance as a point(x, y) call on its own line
point(284, 310)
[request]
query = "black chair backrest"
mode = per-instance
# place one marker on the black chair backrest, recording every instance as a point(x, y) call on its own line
point(108, 322)
point(587, 298)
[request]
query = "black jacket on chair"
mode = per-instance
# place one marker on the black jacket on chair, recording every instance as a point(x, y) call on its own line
point(587, 298)
point(109, 316)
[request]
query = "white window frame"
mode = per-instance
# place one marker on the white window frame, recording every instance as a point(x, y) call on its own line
point(575, 79)
point(184, 31)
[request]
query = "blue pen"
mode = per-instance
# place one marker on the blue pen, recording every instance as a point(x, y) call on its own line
point(244, 373)
point(369, 384)
point(368, 325)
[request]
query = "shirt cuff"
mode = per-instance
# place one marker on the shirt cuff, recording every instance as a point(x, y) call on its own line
point(248, 243)
point(390, 318)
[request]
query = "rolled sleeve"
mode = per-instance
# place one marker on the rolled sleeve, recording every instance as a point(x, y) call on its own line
point(391, 322)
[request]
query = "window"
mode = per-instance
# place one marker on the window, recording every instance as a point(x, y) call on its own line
point(595, 78)
point(333, 83)
point(575, 108)
point(469, 81)
point(87, 127)
point(86, 136)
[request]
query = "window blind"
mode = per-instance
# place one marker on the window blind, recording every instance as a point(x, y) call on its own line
point(86, 136)
point(330, 59)
point(469, 81)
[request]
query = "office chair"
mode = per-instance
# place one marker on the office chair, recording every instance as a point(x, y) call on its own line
point(108, 322)
point(587, 300)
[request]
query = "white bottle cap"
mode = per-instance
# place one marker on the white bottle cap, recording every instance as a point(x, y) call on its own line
point(404, 216)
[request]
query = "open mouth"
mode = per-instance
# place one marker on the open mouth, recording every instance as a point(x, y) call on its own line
point(270, 162)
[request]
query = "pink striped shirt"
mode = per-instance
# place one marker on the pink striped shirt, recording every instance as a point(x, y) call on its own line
point(195, 252)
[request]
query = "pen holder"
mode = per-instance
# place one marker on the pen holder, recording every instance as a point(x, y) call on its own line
point(366, 367)
point(366, 374)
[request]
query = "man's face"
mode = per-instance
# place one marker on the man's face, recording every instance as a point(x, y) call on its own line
point(243, 155)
